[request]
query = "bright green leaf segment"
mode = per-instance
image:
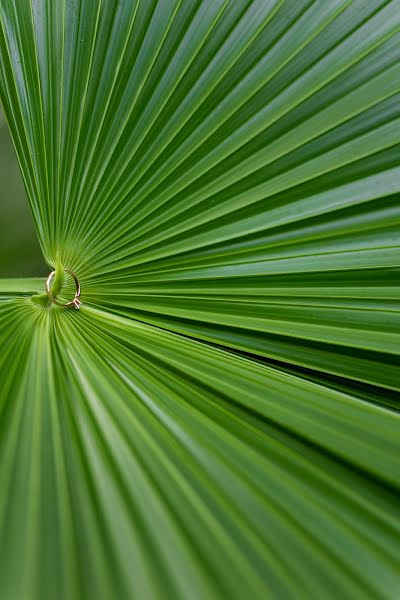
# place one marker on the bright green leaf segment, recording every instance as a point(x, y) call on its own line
point(220, 419)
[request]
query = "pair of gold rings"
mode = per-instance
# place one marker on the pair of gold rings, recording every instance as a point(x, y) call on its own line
point(76, 302)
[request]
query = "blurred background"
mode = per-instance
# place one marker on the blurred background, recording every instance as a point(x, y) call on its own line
point(20, 254)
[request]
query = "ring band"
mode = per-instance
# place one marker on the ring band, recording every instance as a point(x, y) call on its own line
point(76, 302)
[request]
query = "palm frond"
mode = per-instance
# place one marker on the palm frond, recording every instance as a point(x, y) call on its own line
point(220, 419)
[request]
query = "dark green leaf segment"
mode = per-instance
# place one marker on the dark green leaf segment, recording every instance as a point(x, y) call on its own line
point(220, 420)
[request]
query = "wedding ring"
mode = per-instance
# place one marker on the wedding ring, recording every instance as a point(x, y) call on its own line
point(76, 302)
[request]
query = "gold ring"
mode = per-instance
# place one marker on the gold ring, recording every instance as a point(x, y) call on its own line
point(76, 302)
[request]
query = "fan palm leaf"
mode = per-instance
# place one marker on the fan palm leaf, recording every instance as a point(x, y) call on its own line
point(220, 419)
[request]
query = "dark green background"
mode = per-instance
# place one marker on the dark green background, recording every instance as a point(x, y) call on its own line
point(20, 254)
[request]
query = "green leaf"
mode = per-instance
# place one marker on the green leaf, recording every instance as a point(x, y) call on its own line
point(220, 418)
